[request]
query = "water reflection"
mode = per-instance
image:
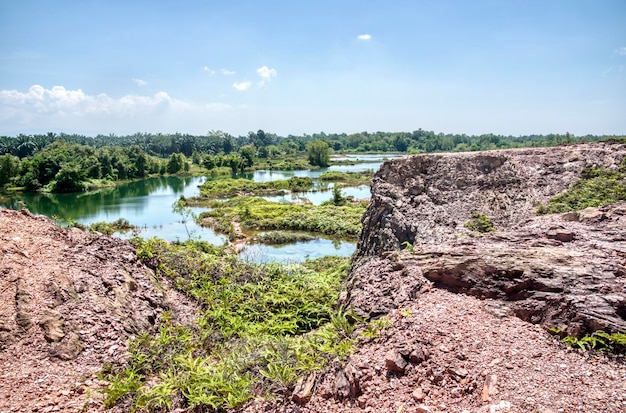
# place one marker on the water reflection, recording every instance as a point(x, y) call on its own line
point(147, 204)
point(297, 252)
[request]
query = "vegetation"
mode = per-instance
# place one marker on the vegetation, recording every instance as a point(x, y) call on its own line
point(282, 237)
point(31, 162)
point(229, 187)
point(480, 223)
point(109, 228)
point(261, 327)
point(596, 187)
point(70, 167)
point(599, 340)
point(318, 153)
point(255, 214)
point(348, 178)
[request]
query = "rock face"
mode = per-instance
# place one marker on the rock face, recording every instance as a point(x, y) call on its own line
point(69, 302)
point(563, 270)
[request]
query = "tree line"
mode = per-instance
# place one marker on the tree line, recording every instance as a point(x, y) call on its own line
point(269, 145)
point(69, 162)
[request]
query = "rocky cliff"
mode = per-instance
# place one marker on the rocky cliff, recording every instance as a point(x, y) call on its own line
point(562, 270)
point(69, 302)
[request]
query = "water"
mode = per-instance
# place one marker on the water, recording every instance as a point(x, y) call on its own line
point(296, 252)
point(148, 203)
point(318, 197)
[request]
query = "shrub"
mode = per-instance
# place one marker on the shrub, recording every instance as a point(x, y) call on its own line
point(480, 223)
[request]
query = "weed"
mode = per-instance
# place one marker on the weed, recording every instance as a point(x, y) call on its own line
point(229, 187)
point(480, 223)
point(120, 225)
point(408, 246)
point(599, 340)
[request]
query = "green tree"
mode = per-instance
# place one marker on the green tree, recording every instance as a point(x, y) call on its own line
point(9, 168)
point(176, 163)
point(318, 153)
point(70, 178)
point(247, 153)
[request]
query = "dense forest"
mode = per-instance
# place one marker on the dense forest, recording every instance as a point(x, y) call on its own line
point(69, 163)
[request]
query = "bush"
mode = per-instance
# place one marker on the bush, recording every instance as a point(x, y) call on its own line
point(480, 223)
point(596, 187)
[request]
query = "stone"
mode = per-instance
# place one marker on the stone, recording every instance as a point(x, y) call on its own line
point(423, 409)
point(52, 325)
point(591, 214)
point(457, 373)
point(561, 235)
point(418, 394)
point(304, 389)
point(418, 354)
point(395, 362)
point(489, 388)
point(68, 349)
point(347, 385)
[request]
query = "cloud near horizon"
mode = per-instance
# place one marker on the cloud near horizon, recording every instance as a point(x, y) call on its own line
point(140, 82)
point(60, 106)
point(364, 36)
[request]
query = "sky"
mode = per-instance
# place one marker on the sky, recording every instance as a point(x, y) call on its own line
point(293, 67)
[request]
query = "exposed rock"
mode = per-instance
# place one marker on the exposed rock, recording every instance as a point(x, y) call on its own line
point(304, 389)
point(565, 270)
point(395, 362)
point(418, 394)
point(52, 326)
point(489, 388)
point(347, 385)
point(69, 302)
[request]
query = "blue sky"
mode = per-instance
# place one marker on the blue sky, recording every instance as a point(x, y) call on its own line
point(293, 67)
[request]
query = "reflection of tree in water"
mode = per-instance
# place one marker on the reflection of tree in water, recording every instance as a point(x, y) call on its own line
point(89, 204)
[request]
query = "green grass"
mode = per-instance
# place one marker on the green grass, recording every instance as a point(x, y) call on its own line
point(282, 237)
point(596, 187)
point(480, 223)
point(261, 327)
point(109, 228)
point(348, 178)
point(257, 214)
point(229, 187)
point(599, 340)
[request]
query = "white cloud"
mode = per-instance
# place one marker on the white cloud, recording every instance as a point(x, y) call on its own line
point(621, 51)
point(266, 74)
point(364, 37)
point(242, 86)
point(208, 70)
point(66, 109)
point(227, 72)
point(140, 82)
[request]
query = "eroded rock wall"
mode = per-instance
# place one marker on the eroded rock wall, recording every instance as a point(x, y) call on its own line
point(563, 270)
point(428, 198)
